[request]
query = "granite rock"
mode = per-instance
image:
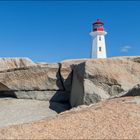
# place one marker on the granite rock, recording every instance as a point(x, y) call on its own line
point(99, 79)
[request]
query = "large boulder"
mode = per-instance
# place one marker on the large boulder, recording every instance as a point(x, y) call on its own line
point(40, 81)
point(24, 79)
point(31, 78)
point(100, 79)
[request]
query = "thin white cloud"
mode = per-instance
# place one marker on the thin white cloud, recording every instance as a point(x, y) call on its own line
point(125, 49)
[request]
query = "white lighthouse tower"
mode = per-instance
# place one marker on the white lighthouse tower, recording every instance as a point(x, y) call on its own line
point(98, 42)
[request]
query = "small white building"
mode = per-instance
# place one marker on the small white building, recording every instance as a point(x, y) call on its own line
point(98, 40)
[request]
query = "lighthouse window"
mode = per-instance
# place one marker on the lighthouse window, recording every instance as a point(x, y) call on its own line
point(99, 38)
point(100, 49)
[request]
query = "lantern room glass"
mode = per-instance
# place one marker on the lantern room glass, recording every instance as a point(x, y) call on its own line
point(98, 26)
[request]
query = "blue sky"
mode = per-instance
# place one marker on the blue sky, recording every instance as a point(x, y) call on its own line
point(54, 31)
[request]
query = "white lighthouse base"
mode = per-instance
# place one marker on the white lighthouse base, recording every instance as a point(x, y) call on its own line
point(98, 44)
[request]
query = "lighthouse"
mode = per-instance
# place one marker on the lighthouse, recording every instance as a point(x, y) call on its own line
point(98, 40)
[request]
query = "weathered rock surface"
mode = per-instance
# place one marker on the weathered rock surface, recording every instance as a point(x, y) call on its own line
point(31, 78)
point(113, 119)
point(54, 96)
point(99, 79)
point(66, 71)
point(12, 63)
point(17, 111)
point(88, 80)
point(38, 81)
point(135, 91)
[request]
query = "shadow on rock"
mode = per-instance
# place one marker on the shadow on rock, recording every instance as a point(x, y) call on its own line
point(59, 107)
point(61, 100)
point(5, 91)
point(135, 91)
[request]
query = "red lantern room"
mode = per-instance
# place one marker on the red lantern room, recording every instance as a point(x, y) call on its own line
point(98, 26)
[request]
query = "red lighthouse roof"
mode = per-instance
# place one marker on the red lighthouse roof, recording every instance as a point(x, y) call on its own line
point(98, 22)
point(98, 26)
